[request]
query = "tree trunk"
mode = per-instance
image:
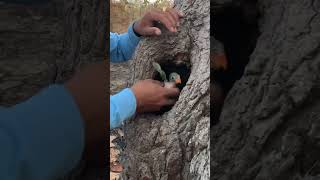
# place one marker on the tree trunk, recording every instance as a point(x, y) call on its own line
point(30, 44)
point(85, 34)
point(270, 123)
point(42, 44)
point(84, 41)
point(175, 144)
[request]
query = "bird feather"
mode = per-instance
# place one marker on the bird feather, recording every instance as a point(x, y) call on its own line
point(158, 68)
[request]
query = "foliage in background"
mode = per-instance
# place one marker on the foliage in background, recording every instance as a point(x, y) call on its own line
point(124, 12)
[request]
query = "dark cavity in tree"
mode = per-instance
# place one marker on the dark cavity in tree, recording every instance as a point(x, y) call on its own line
point(168, 67)
point(236, 27)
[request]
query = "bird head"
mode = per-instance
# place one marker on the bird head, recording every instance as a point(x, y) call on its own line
point(175, 77)
point(218, 56)
point(219, 62)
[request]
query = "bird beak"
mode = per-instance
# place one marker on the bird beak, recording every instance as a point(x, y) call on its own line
point(178, 80)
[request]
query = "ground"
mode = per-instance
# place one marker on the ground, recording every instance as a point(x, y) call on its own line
point(118, 79)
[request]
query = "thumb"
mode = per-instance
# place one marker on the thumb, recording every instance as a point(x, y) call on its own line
point(152, 31)
point(170, 102)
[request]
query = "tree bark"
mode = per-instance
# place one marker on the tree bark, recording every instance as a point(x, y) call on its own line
point(85, 34)
point(30, 47)
point(269, 126)
point(174, 145)
point(42, 44)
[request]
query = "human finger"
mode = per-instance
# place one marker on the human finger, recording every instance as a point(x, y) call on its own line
point(169, 102)
point(159, 16)
point(172, 92)
point(174, 14)
point(156, 82)
point(150, 31)
point(171, 18)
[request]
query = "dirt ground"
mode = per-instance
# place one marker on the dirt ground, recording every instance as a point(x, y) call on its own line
point(119, 73)
point(114, 152)
point(118, 77)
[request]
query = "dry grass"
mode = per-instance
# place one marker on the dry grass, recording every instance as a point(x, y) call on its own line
point(120, 19)
point(122, 14)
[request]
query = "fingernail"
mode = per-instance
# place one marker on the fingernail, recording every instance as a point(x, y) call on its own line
point(181, 14)
point(172, 29)
point(178, 24)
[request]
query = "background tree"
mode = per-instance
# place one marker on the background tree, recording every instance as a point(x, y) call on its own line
point(269, 126)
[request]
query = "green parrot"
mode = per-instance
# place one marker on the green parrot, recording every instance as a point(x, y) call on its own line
point(174, 78)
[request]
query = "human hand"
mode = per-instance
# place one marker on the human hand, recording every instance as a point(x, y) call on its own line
point(169, 18)
point(89, 90)
point(151, 95)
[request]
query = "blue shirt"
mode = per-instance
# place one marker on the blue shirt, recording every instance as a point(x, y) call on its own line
point(43, 137)
point(122, 105)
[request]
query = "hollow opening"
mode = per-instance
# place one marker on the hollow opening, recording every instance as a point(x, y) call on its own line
point(168, 67)
point(236, 27)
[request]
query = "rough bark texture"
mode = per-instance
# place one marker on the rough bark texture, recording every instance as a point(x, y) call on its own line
point(44, 44)
point(29, 48)
point(174, 145)
point(270, 123)
point(85, 34)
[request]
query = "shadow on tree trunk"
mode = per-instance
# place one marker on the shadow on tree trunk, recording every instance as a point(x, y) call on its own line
point(268, 124)
point(238, 33)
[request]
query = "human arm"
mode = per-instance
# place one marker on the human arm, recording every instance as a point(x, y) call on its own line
point(46, 136)
point(122, 46)
point(125, 104)
point(122, 106)
point(144, 96)
point(41, 138)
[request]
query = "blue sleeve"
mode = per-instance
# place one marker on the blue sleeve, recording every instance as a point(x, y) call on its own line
point(42, 138)
point(122, 107)
point(122, 46)
point(123, 104)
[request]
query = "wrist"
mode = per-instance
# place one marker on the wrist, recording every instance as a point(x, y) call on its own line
point(135, 28)
point(93, 129)
point(125, 103)
point(137, 101)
